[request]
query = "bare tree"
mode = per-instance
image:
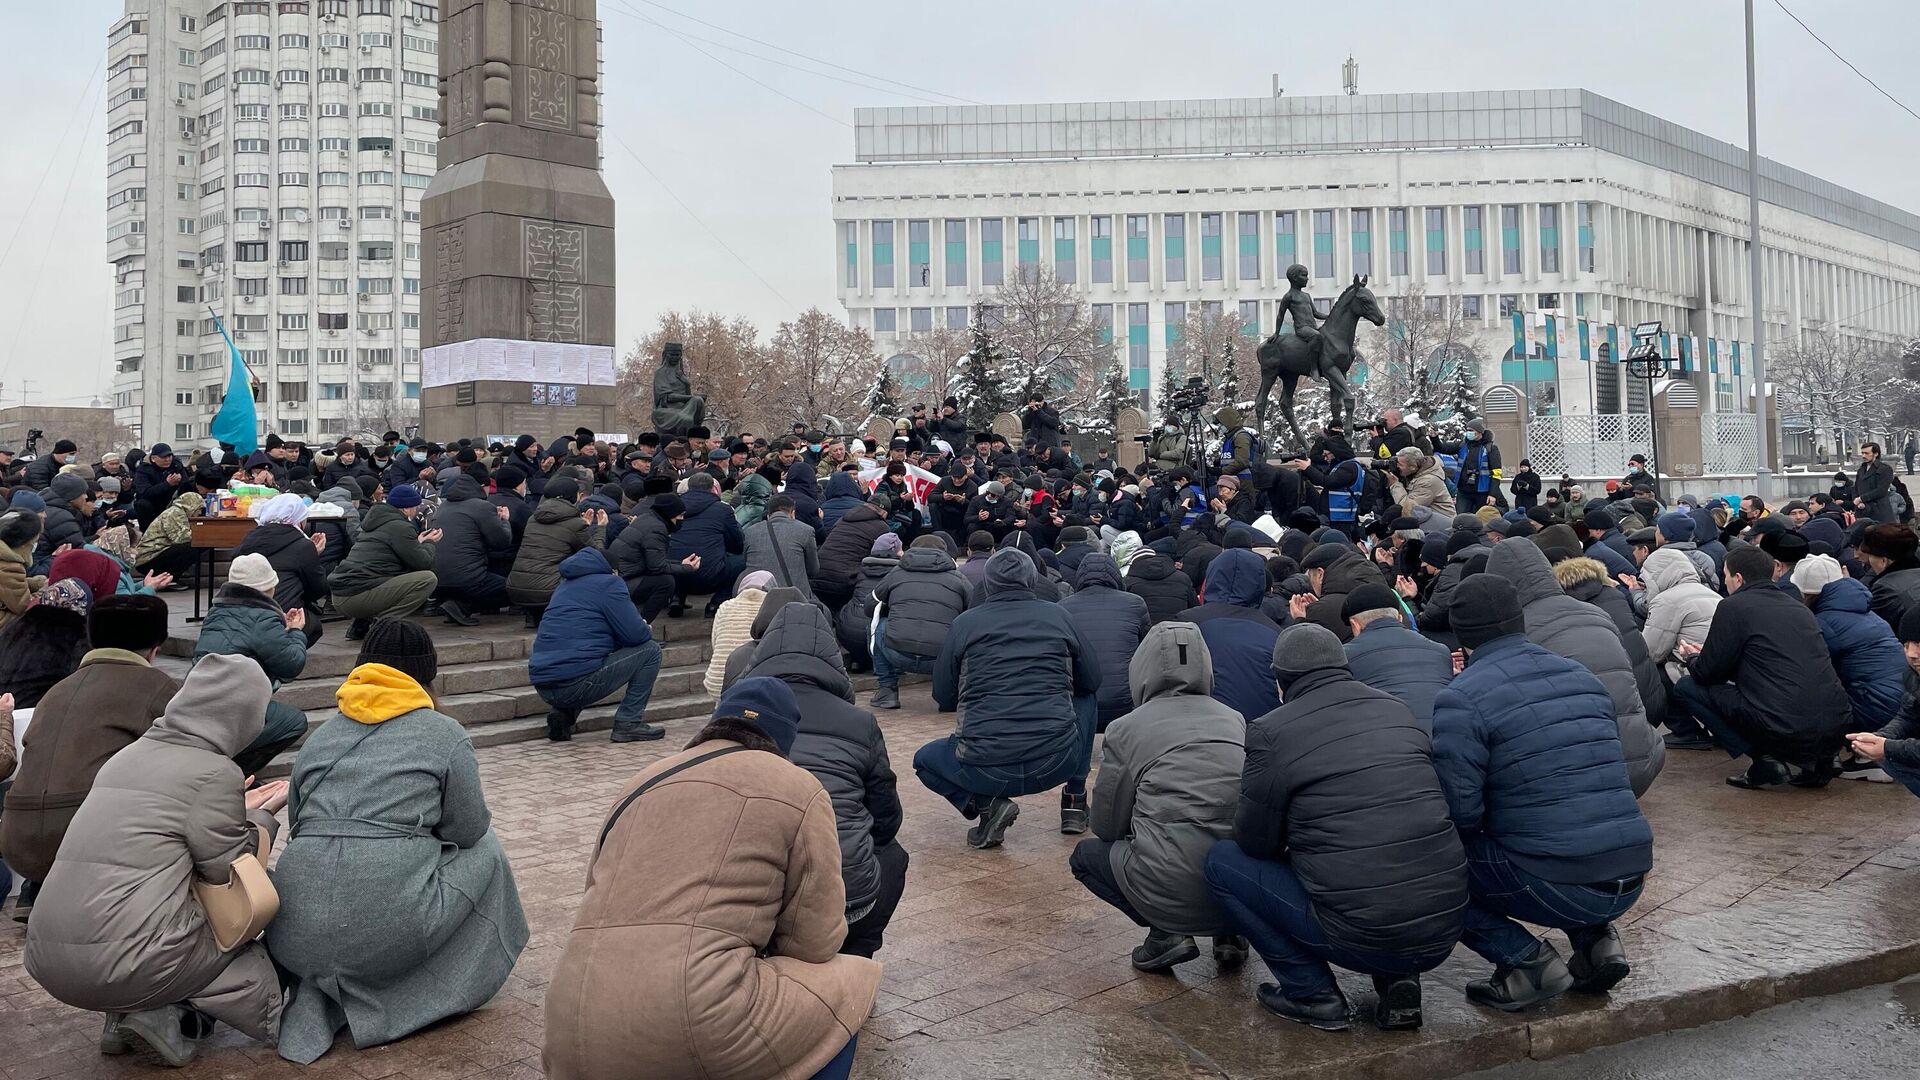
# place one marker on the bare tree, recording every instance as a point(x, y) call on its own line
point(1845, 387)
point(1424, 360)
point(724, 358)
point(1213, 344)
point(818, 366)
point(370, 417)
point(942, 355)
point(1053, 347)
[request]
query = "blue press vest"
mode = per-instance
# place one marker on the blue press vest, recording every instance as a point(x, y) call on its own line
point(1226, 452)
point(1343, 504)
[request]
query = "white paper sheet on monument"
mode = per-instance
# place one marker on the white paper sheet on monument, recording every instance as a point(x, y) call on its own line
point(526, 361)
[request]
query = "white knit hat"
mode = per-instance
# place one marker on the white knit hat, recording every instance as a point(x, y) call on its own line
point(1816, 572)
point(255, 572)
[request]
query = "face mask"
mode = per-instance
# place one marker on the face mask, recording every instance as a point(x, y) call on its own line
point(419, 457)
point(815, 447)
point(1169, 429)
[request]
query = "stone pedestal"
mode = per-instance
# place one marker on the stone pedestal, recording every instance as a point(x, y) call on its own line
point(517, 227)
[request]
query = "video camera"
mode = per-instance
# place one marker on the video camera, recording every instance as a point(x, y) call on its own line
point(1189, 398)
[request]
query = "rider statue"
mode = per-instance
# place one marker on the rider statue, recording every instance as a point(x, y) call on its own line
point(1298, 304)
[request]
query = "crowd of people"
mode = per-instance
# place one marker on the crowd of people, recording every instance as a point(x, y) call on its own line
point(1350, 709)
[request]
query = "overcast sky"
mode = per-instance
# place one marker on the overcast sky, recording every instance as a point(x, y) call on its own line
point(754, 166)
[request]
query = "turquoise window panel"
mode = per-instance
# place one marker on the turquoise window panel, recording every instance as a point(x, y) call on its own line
point(956, 251)
point(883, 254)
point(1103, 247)
point(1176, 247)
point(1472, 239)
point(1137, 334)
point(1285, 244)
point(1063, 251)
point(1397, 240)
point(919, 252)
point(990, 251)
point(1510, 239)
point(1029, 251)
point(1514, 371)
point(1586, 236)
point(1137, 378)
point(1436, 239)
point(1106, 333)
point(1209, 246)
point(1549, 237)
point(1358, 376)
point(1136, 247)
point(1173, 334)
point(1363, 241)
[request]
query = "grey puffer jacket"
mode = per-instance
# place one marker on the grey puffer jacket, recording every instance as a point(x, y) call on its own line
point(923, 595)
point(117, 928)
point(1586, 580)
point(1169, 782)
point(839, 743)
point(1583, 633)
point(1114, 622)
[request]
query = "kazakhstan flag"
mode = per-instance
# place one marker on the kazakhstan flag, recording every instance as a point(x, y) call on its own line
point(237, 423)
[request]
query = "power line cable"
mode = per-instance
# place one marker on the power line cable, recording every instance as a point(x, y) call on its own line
point(47, 171)
point(777, 63)
point(1836, 55)
point(13, 350)
point(697, 220)
point(768, 87)
point(804, 56)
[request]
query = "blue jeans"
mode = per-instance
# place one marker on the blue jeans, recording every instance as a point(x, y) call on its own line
point(635, 668)
point(841, 1067)
point(889, 665)
point(968, 787)
point(1500, 892)
point(1265, 901)
point(1904, 774)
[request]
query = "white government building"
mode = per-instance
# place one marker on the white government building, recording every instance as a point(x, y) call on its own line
point(1556, 216)
point(266, 158)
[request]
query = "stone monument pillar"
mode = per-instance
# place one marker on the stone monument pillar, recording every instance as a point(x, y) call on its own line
point(517, 227)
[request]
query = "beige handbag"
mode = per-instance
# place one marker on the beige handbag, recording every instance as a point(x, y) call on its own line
point(241, 909)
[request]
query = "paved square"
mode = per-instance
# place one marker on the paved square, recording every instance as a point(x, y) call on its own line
point(998, 964)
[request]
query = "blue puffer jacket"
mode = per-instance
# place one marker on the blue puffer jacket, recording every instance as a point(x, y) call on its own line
point(1239, 637)
point(1391, 658)
point(843, 494)
point(590, 617)
point(709, 531)
point(1114, 622)
point(1865, 653)
point(1528, 754)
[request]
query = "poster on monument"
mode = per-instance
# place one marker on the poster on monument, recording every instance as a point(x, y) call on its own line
point(501, 359)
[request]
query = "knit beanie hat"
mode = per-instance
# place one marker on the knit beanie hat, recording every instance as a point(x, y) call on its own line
point(886, 546)
point(132, 622)
point(1785, 547)
point(66, 487)
point(404, 646)
point(1675, 527)
point(403, 497)
point(1485, 607)
point(255, 572)
point(1369, 598)
point(563, 488)
point(767, 704)
point(366, 485)
point(1597, 520)
point(667, 505)
point(1910, 625)
point(1816, 572)
point(1304, 647)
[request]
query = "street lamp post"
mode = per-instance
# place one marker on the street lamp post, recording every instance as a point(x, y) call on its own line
point(1645, 362)
point(1763, 476)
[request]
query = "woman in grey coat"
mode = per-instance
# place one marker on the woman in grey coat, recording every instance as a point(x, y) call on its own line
point(1168, 787)
point(398, 908)
point(116, 928)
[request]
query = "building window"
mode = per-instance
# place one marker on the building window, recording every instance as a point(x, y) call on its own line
point(920, 320)
point(1397, 241)
point(1103, 322)
point(956, 318)
point(1138, 363)
point(1065, 261)
point(1323, 243)
point(1176, 319)
point(333, 320)
point(1509, 303)
point(1249, 245)
point(293, 321)
point(333, 391)
point(293, 286)
point(1510, 239)
point(1470, 307)
point(1585, 211)
point(1436, 240)
point(1286, 244)
point(992, 264)
point(919, 254)
point(1173, 230)
point(956, 251)
point(250, 251)
point(1549, 238)
point(1250, 318)
point(1472, 239)
point(883, 254)
point(1362, 232)
point(885, 320)
point(1102, 250)
point(850, 236)
point(1136, 249)
point(293, 251)
point(1027, 232)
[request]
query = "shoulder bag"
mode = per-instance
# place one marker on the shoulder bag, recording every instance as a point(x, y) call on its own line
point(240, 910)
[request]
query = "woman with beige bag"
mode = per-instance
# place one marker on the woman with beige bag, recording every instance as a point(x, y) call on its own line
point(118, 927)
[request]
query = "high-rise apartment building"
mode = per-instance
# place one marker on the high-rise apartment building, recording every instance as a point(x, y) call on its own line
point(265, 160)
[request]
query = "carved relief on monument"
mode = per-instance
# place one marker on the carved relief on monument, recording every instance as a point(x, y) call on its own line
point(547, 92)
point(555, 260)
point(450, 310)
point(450, 253)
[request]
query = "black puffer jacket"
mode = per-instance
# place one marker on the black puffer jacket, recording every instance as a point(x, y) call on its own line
point(854, 624)
point(1587, 581)
point(556, 532)
point(1347, 573)
point(838, 743)
point(1340, 781)
point(1167, 590)
point(470, 534)
point(849, 541)
point(1114, 621)
point(924, 594)
point(303, 579)
point(641, 548)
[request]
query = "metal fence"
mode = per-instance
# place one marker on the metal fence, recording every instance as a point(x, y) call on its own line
point(1593, 445)
point(1729, 443)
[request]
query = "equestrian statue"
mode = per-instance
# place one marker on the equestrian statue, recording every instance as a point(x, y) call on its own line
point(1324, 351)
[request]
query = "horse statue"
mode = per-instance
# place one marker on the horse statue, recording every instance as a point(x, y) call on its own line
point(1287, 357)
